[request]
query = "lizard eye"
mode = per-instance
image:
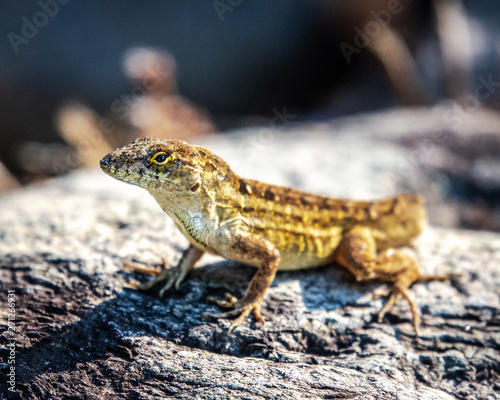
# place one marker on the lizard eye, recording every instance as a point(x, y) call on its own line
point(160, 158)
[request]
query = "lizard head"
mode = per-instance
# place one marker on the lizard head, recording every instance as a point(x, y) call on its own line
point(169, 169)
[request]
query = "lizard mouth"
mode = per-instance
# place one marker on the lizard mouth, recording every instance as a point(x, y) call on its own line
point(123, 174)
point(110, 169)
point(105, 165)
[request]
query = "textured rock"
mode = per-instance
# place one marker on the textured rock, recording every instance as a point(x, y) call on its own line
point(82, 334)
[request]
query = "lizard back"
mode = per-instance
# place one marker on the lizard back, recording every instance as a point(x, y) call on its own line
point(307, 228)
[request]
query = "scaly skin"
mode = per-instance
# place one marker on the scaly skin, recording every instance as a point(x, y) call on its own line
point(270, 227)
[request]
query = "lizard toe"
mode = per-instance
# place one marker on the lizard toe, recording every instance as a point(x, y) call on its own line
point(167, 287)
point(230, 302)
point(224, 315)
point(387, 307)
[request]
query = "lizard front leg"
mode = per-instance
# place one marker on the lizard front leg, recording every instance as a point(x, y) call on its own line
point(177, 274)
point(358, 253)
point(250, 249)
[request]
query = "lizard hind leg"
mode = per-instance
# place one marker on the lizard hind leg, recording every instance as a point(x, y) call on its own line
point(401, 268)
point(357, 252)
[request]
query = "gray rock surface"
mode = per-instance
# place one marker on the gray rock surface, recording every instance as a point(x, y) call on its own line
point(82, 334)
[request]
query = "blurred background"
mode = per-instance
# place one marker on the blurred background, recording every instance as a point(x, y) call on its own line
point(79, 78)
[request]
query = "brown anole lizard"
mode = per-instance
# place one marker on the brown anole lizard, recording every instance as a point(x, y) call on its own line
point(270, 227)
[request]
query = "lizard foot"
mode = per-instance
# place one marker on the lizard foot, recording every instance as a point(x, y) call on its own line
point(395, 294)
point(172, 276)
point(240, 309)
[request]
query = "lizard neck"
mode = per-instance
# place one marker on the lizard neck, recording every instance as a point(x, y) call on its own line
point(194, 221)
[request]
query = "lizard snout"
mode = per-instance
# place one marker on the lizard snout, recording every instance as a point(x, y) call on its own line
point(105, 163)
